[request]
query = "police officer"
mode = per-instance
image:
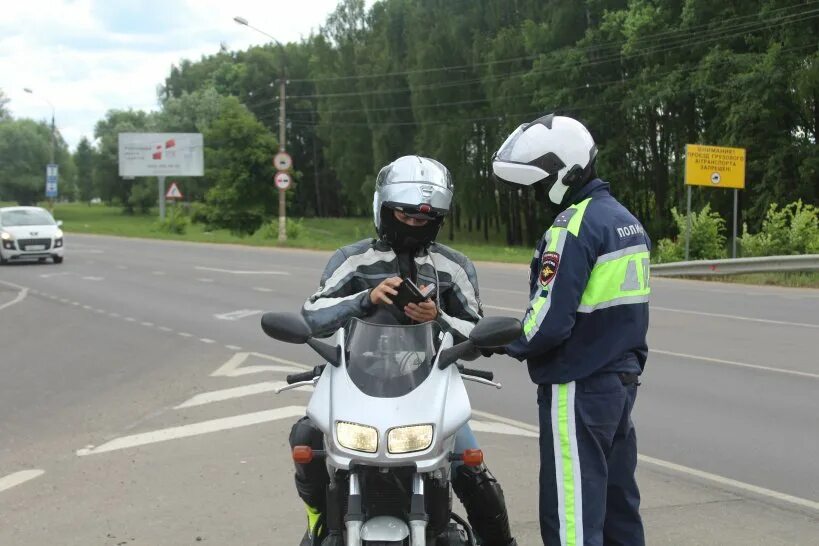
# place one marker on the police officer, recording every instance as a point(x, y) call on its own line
point(412, 197)
point(584, 337)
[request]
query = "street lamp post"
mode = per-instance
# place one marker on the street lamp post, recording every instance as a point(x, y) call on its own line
point(282, 123)
point(51, 162)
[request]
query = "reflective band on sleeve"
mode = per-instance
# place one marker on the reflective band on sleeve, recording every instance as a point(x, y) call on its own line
point(618, 278)
point(540, 304)
point(567, 465)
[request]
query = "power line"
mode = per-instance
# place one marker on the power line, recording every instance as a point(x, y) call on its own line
point(710, 36)
point(686, 32)
point(499, 116)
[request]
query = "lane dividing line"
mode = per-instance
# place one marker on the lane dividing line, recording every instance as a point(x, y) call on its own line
point(205, 280)
point(148, 324)
point(734, 317)
point(234, 368)
point(233, 347)
point(239, 272)
point(206, 340)
point(721, 480)
point(262, 289)
point(519, 311)
point(680, 469)
point(165, 328)
point(738, 364)
point(13, 480)
point(195, 429)
point(184, 334)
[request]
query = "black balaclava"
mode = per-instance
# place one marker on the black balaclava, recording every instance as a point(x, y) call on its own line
point(404, 238)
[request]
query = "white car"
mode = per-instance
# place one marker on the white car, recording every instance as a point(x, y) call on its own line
point(29, 233)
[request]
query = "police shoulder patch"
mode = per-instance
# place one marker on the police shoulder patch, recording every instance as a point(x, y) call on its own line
point(549, 263)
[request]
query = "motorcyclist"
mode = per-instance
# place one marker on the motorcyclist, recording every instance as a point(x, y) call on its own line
point(412, 197)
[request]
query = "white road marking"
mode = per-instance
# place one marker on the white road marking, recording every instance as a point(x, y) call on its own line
point(130, 319)
point(686, 311)
point(233, 347)
point(235, 392)
point(49, 275)
point(205, 280)
point(149, 324)
point(165, 328)
point(195, 429)
point(21, 295)
point(83, 251)
point(121, 267)
point(76, 303)
point(114, 315)
point(88, 307)
point(12, 480)
point(158, 273)
point(739, 364)
point(501, 428)
point(262, 289)
point(233, 367)
point(715, 478)
point(101, 311)
point(93, 278)
point(206, 340)
point(184, 334)
point(63, 300)
point(518, 310)
point(238, 315)
point(721, 480)
point(239, 272)
point(734, 317)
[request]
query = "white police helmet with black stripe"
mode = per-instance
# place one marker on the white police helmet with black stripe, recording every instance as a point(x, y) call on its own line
point(556, 151)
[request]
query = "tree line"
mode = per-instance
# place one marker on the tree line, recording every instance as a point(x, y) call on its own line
point(451, 78)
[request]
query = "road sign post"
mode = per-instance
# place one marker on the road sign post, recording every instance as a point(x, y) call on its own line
point(282, 181)
point(52, 175)
point(715, 167)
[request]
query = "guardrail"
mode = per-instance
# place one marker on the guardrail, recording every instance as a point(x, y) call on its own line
point(762, 264)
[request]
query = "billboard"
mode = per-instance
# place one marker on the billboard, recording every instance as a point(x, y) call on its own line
point(161, 154)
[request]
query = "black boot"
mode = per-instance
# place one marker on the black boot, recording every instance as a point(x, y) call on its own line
point(482, 497)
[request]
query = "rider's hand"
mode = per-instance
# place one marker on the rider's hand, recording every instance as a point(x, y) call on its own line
point(422, 312)
point(382, 292)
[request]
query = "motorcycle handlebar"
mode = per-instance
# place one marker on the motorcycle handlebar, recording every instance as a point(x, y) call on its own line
point(489, 376)
point(305, 376)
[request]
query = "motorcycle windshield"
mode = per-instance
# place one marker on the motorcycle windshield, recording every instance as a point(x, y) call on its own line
point(387, 361)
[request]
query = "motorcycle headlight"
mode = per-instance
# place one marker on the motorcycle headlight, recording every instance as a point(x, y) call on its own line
point(409, 439)
point(357, 437)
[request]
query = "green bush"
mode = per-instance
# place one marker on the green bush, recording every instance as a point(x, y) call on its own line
point(669, 251)
point(294, 228)
point(174, 222)
point(707, 237)
point(793, 229)
point(199, 213)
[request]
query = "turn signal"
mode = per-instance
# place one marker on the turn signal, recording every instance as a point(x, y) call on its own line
point(473, 457)
point(302, 454)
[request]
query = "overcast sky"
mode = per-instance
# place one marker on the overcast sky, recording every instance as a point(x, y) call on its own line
point(88, 56)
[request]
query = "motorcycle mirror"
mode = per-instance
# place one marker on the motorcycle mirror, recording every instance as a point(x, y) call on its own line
point(287, 327)
point(493, 332)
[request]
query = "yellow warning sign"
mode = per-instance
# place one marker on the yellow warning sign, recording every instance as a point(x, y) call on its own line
point(715, 166)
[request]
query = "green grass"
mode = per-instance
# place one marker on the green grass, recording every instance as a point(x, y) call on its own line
point(316, 233)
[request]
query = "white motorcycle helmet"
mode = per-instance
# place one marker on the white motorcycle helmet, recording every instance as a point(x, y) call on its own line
point(419, 187)
point(556, 151)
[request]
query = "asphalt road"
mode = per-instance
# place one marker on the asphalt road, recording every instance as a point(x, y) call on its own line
point(109, 345)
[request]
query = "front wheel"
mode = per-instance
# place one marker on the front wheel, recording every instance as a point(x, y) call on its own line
point(57, 259)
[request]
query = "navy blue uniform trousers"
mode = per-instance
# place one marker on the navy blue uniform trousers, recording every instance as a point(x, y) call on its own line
point(588, 456)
